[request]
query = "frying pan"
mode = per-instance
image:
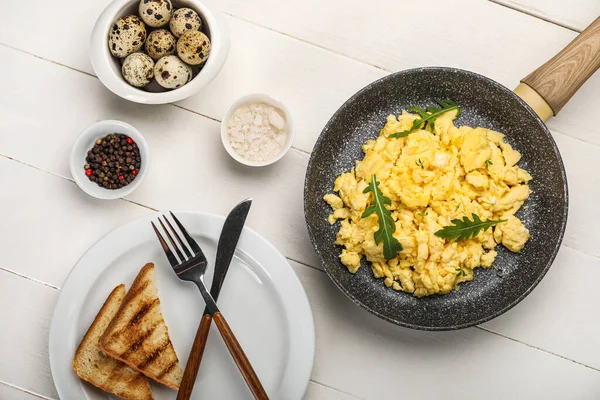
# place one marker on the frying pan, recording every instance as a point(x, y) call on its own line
point(520, 115)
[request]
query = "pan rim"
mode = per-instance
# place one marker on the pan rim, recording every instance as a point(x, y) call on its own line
point(564, 211)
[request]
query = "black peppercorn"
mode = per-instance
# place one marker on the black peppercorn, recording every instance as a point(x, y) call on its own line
point(112, 157)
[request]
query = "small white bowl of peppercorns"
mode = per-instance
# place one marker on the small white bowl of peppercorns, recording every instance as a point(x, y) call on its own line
point(109, 159)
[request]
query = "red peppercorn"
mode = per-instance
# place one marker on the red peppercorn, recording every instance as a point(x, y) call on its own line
point(88, 172)
point(129, 140)
point(121, 177)
point(134, 172)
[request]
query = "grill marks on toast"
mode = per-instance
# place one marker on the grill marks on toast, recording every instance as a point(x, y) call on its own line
point(154, 355)
point(102, 370)
point(143, 311)
point(139, 336)
point(168, 369)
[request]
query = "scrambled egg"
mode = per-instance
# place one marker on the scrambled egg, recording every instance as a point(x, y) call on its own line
point(431, 178)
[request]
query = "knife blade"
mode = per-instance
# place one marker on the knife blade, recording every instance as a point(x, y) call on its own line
point(230, 235)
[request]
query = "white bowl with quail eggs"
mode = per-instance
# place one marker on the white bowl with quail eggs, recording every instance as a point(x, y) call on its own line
point(158, 51)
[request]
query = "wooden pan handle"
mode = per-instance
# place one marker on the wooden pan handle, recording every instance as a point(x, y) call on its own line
point(240, 358)
point(558, 79)
point(193, 364)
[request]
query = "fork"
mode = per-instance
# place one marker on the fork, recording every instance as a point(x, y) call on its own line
point(191, 266)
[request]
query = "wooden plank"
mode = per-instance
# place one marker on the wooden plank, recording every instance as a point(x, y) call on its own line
point(507, 47)
point(373, 359)
point(584, 188)
point(574, 14)
point(317, 391)
point(52, 217)
point(25, 312)
point(190, 168)
point(194, 139)
point(313, 81)
point(558, 315)
point(200, 158)
point(11, 393)
point(355, 351)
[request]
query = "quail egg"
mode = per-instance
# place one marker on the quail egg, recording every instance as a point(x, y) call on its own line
point(160, 43)
point(138, 69)
point(126, 36)
point(185, 19)
point(156, 12)
point(193, 47)
point(170, 72)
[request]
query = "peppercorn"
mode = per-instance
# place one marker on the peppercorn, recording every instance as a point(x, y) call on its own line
point(113, 162)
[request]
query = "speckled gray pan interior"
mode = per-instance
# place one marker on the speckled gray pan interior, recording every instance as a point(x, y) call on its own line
point(484, 103)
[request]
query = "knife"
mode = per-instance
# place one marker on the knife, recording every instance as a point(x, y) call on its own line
point(230, 234)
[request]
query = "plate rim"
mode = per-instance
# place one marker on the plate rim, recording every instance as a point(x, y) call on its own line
point(307, 333)
point(564, 213)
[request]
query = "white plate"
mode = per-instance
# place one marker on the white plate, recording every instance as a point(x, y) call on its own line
point(262, 299)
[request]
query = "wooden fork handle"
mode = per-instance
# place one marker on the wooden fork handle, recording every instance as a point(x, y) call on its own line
point(193, 364)
point(240, 358)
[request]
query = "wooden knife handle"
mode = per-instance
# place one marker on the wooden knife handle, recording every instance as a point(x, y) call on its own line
point(193, 364)
point(240, 358)
point(559, 78)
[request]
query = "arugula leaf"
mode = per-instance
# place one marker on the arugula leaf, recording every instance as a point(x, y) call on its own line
point(428, 117)
point(465, 229)
point(399, 135)
point(499, 271)
point(387, 226)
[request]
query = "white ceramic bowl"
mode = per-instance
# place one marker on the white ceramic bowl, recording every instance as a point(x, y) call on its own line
point(108, 68)
point(86, 140)
point(258, 98)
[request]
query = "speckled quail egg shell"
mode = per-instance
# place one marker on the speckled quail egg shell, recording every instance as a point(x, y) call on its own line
point(126, 36)
point(160, 43)
point(193, 47)
point(156, 13)
point(171, 73)
point(138, 69)
point(183, 20)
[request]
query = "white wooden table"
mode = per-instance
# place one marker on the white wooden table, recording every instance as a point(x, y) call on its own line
point(313, 54)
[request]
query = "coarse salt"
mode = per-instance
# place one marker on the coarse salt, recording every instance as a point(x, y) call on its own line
point(257, 132)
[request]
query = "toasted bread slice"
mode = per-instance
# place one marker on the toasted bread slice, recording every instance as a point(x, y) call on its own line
point(104, 371)
point(138, 335)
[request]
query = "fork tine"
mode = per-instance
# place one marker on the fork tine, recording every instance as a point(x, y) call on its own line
point(183, 246)
point(170, 256)
point(189, 239)
point(179, 253)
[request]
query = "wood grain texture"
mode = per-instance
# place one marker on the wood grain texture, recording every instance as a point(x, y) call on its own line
point(574, 14)
point(195, 358)
point(240, 358)
point(201, 159)
point(356, 352)
point(11, 393)
point(561, 76)
point(25, 312)
point(394, 363)
point(358, 356)
point(259, 58)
